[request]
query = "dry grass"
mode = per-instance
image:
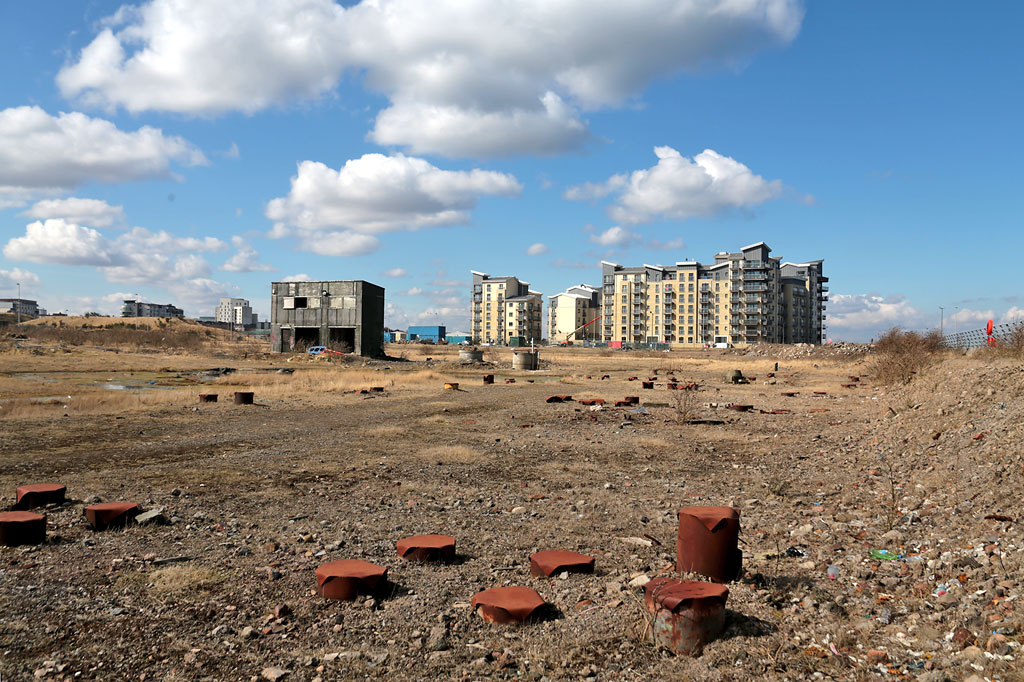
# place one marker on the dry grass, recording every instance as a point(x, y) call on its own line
point(450, 454)
point(180, 578)
point(902, 354)
point(94, 403)
point(326, 380)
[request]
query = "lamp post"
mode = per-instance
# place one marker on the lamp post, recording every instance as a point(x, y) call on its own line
point(18, 304)
point(941, 314)
point(138, 307)
point(956, 324)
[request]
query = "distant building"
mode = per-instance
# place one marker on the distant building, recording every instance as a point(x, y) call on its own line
point(744, 298)
point(434, 334)
point(236, 312)
point(133, 308)
point(23, 306)
point(505, 311)
point(346, 315)
point(572, 314)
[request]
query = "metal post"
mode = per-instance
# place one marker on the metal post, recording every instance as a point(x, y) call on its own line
point(941, 314)
point(18, 304)
point(136, 312)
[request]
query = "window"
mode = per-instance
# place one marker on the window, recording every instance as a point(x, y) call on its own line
point(300, 302)
point(288, 303)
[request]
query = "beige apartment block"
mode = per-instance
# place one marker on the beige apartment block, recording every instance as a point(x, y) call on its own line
point(572, 314)
point(505, 311)
point(744, 298)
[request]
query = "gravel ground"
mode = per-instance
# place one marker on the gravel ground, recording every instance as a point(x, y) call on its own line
point(257, 496)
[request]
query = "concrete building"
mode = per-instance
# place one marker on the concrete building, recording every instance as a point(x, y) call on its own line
point(346, 315)
point(505, 311)
point(237, 312)
point(28, 309)
point(133, 308)
point(739, 300)
point(570, 310)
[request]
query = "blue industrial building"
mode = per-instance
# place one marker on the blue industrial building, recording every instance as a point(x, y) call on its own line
point(435, 334)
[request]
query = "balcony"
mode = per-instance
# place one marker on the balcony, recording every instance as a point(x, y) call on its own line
point(751, 276)
point(753, 286)
point(477, 298)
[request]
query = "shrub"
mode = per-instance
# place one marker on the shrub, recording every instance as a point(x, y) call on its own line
point(902, 354)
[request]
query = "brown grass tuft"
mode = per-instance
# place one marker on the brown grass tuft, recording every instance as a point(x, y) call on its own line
point(450, 454)
point(179, 578)
point(899, 355)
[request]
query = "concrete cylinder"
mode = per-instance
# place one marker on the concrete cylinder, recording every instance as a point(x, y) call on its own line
point(525, 360)
point(470, 355)
point(707, 542)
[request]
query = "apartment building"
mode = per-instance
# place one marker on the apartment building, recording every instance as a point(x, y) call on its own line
point(21, 306)
point(133, 308)
point(739, 300)
point(505, 310)
point(236, 311)
point(572, 314)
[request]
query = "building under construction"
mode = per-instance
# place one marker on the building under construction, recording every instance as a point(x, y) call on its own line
point(345, 315)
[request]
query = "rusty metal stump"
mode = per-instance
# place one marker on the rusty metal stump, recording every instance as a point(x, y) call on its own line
point(552, 561)
point(672, 386)
point(244, 397)
point(605, 376)
point(631, 378)
point(22, 528)
point(649, 385)
point(451, 386)
point(488, 379)
point(686, 615)
point(707, 542)
point(741, 408)
point(427, 548)
point(207, 397)
point(592, 401)
point(348, 578)
point(632, 399)
point(510, 380)
point(503, 605)
point(111, 514)
point(39, 495)
point(558, 399)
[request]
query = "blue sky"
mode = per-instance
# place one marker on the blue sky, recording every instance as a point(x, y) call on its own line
point(187, 150)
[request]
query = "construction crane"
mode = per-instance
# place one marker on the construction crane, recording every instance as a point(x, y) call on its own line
point(568, 337)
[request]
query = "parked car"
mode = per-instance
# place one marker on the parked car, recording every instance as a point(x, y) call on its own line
point(322, 350)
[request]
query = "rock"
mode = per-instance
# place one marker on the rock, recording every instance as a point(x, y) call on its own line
point(997, 644)
point(962, 637)
point(282, 611)
point(274, 674)
point(518, 510)
point(876, 656)
point(153, 516)
point(973, 653)
point(438, 638)
point(250, 632)
point(640, 580)
point(272, 573)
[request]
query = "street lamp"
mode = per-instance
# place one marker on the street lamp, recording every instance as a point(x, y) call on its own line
point(18, 303)
point(941, 314)
point(955, 321)
point(137, 307)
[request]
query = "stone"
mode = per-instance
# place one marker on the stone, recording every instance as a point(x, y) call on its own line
point(274, 674)
point(997, 644)
point(876, 656)
point(152, 517)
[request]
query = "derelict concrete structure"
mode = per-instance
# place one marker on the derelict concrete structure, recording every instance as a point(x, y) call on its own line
point(345, 315)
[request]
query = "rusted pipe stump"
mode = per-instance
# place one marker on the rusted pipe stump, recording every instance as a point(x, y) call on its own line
point(821, 393)
point(207, 397)
point(592, 401)
point(111, 514)
point(605, 376)
point(632, 399)
point(348, 578)
point(503, 605)
point(451, 386)
point(427, 548)
point(22, 528)
point(488, 379)
point(741, 408)
point(687, 615)
point(510, 380)
point(552, 561)
point(672, 386)
point(39, 495)
point(380, 389)
point(649, 385)
point(631, 379)
point(848, 385)
point(244, 397)
point(558, 399)
point(707, 542)
point(791, 394)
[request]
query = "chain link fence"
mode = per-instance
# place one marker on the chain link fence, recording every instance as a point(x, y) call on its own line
point(977, 337)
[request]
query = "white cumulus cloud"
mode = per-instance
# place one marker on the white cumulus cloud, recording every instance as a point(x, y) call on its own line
point(301, 277)
point(462, 78)
point(245, 259)
point(337, 212)
point(9, 279)
point(92, 212)
point(859, 317)
point(396, 272)
point(678, 188)
point(537, 249)
point(617, 237)
point(58, 242)
point(44, 154)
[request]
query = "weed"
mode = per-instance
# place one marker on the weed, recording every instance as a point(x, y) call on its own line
point(902, 354)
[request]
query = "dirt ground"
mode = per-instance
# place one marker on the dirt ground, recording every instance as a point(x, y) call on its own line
point(257, 496)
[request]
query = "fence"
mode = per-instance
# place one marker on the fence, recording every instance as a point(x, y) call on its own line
point(977, 337)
